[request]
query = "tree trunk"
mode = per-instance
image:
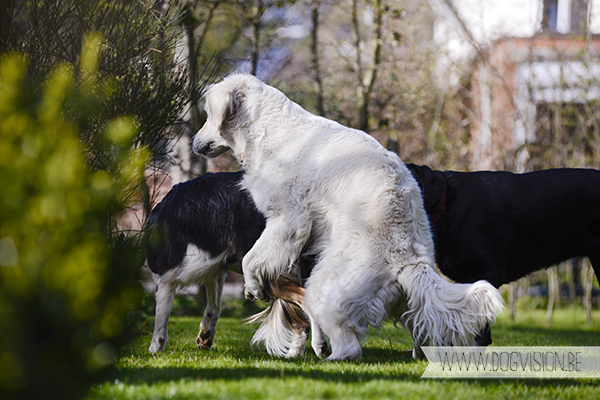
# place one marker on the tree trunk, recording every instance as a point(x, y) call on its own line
point(257, 12)
point(587, 279)
point(366, 74)
point(570, 272)
point(512, 300)
point(316, 69)
point(553, 291)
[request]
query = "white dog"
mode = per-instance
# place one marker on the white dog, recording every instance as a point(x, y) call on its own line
point(354, 205)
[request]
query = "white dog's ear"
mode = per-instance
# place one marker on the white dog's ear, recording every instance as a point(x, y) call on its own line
point(233, 110)
point(225, 105)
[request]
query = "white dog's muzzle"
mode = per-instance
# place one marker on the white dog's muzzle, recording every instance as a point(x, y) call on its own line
point(207, 149)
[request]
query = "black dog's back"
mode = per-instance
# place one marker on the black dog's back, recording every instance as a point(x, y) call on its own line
point(195, 211)
point(501, 226)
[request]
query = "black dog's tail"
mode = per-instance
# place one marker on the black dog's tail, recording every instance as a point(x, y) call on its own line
point(284, 326)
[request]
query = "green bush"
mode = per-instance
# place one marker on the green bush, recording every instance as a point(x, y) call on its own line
point(140, 40)
point(65, 275)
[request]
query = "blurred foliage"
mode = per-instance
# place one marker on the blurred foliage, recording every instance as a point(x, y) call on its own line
point(187, 305)
point(138, 64)
point(66, 279)
point(567, 135)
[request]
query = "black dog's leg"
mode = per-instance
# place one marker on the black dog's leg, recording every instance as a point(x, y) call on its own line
point(595, 260)
point(484, 337)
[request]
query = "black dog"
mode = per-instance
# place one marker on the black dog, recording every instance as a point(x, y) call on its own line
point(202, 227)
point(501, 226)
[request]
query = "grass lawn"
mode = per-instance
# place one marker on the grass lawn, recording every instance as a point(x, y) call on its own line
point(231, 370)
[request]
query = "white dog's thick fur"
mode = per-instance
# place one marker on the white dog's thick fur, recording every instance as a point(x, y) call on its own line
point(339, 193)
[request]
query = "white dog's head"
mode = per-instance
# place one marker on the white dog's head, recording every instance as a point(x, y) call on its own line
point(228, 114)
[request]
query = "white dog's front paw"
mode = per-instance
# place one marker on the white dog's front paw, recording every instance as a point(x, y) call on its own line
point(249, 295)
point(253, 290)
point(321, 348)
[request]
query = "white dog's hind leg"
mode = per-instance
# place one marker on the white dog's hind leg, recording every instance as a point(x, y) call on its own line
point(318, 340)
point(165, 294)
point(345, 344)
point(325, 320)
point(208, 325)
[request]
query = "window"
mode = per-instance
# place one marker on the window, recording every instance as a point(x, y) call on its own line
point(565, 16)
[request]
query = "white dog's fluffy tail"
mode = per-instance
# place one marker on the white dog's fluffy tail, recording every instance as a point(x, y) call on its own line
point(446, 314)
point(284, 327)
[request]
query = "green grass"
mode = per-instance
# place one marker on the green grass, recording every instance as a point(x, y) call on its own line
point(231, 370)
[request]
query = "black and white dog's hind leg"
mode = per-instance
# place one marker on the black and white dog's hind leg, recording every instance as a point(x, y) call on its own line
point(212, 312)
point(213, 276)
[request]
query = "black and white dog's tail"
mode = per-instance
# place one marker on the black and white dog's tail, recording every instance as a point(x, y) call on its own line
point(284, 326)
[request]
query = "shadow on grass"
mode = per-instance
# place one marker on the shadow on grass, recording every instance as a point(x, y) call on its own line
point(531, 383)
point(541, 336)
point(152, 376)
point(160, 375)
point(309, 367)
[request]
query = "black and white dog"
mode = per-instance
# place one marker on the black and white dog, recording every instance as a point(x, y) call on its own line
point(201, 227)
point(500, 226)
